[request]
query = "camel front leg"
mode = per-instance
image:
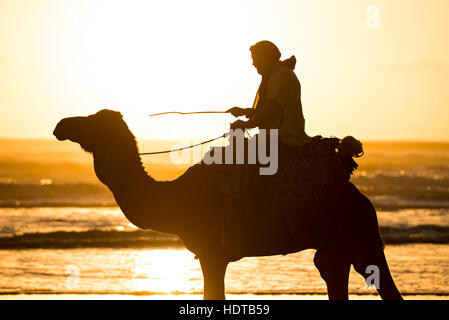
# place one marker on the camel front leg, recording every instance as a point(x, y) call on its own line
point(214, 271)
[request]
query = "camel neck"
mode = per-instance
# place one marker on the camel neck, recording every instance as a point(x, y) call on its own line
point(138, 195)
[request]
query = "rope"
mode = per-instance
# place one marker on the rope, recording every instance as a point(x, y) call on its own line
point(183, 148)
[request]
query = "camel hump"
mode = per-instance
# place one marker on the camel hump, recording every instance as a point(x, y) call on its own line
point(307, 176)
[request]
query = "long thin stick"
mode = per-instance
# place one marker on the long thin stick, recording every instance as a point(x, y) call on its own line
point(177, 112)
point(188, 147)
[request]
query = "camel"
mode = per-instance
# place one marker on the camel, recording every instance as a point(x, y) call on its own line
point(189, 206)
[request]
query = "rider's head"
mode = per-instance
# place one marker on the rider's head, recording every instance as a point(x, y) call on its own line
point(265, 54)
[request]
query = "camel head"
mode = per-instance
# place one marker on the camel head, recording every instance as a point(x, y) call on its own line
point(103, 131)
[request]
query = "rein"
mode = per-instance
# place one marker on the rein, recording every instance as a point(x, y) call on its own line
point(183, 148)
point(188, 147)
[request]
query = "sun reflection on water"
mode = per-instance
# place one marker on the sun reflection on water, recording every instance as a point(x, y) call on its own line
point(165, 271)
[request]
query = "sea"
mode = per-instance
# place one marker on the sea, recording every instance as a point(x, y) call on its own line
point(61, 233)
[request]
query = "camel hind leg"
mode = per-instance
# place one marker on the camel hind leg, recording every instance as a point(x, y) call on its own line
point(368, 257)
point(375, 270)
point(334, 270)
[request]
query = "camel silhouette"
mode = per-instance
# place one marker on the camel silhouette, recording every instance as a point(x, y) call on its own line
point(191, 207)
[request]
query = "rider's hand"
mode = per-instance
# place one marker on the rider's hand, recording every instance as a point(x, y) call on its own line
point(237, 111)
point(238, 124)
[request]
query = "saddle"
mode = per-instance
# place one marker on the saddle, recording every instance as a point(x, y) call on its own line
point(306, 171)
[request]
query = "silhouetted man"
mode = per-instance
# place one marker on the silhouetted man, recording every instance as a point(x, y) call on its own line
point(278, 101)
point(277, 105)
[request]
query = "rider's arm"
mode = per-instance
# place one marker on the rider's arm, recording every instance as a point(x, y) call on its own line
point(238, 112)
point(270, 114)
point(268, 117)
point(279, 91)
point(250, 112)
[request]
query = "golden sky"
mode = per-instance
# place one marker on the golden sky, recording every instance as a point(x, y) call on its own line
point(376, 69)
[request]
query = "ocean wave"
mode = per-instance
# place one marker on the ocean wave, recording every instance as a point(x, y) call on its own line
point(151, 239)
point(58, 203)
point(406, 186)
point(393, 203)
point(415, 234)
point(381, 202)
point(90, 239)
point(410, 190)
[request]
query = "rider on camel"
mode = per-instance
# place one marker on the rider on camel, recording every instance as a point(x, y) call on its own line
point(277, 104)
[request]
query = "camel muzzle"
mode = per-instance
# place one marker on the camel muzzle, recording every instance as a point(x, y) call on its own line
point(58, 132)
point(66, 128)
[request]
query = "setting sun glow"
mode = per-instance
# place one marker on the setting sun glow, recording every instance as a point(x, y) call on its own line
point(64, 58)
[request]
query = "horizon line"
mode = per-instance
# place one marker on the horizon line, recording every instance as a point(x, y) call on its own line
point(162, 139)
